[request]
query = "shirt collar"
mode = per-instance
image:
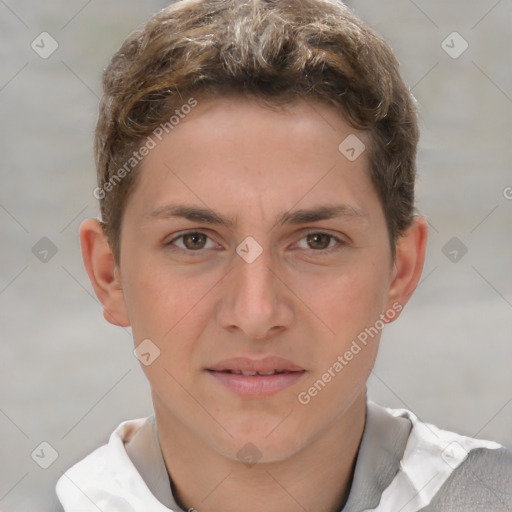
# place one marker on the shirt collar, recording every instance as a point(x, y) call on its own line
point(378, 460)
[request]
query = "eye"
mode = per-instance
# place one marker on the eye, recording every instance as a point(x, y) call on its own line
point(192, 241)
point(196, 241)
point(320, 241)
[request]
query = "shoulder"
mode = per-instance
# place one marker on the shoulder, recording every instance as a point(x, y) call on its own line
point(103, 474)
point(443, 471)
point(483, 481)
point(496, 463)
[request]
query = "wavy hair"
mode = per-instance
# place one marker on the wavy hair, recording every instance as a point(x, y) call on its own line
point(273, 51)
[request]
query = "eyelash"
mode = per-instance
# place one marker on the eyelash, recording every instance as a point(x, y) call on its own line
point(339, 241)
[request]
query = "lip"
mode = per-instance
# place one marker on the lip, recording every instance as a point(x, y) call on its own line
point(255, 386)
point(266, 364)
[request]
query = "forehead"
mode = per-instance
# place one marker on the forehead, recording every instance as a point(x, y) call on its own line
point(236, 156)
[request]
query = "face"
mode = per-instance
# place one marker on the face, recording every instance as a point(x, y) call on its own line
point(252, 243)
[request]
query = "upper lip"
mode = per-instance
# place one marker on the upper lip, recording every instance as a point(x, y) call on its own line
point(247, 364)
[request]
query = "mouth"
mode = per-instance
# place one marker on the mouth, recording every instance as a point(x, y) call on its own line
point(249, 366)
point(252, 378)
point(249, 373)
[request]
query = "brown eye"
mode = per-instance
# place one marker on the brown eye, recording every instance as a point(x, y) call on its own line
point(194, 240)
point(318, 240)
point(320, 243)
point(191, 242)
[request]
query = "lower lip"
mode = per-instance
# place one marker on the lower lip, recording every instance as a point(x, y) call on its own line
point(257, 385)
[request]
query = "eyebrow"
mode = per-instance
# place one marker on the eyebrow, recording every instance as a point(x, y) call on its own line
point(303, 216)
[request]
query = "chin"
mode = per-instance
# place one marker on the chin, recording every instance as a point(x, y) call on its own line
point(262, 442)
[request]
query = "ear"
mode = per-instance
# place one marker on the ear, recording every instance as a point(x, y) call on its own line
point(103, 272)
point(410, 257)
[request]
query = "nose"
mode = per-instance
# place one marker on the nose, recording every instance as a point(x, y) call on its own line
point(255, 300)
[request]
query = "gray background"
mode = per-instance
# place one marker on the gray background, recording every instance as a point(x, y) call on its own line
point(68, 377)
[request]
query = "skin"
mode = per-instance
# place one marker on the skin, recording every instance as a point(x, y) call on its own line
point(296, 300)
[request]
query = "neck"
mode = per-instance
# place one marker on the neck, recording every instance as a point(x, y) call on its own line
point(317, 477)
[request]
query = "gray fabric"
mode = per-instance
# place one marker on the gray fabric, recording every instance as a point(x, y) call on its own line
point(145, 453)
point(483, 482)
point(57, 505)
point(378, 459)
point(382, 446)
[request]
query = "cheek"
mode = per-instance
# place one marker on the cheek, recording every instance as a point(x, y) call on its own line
point(350, 305)
point(346, 301)
point(170, 310)
point(162, 301)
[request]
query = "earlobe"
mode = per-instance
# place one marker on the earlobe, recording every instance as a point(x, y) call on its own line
point(410, 257)
point(103, 272)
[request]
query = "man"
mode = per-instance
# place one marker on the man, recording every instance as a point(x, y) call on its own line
point(256, 166)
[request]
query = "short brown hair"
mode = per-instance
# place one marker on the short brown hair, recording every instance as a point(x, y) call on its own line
point(274, 51)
